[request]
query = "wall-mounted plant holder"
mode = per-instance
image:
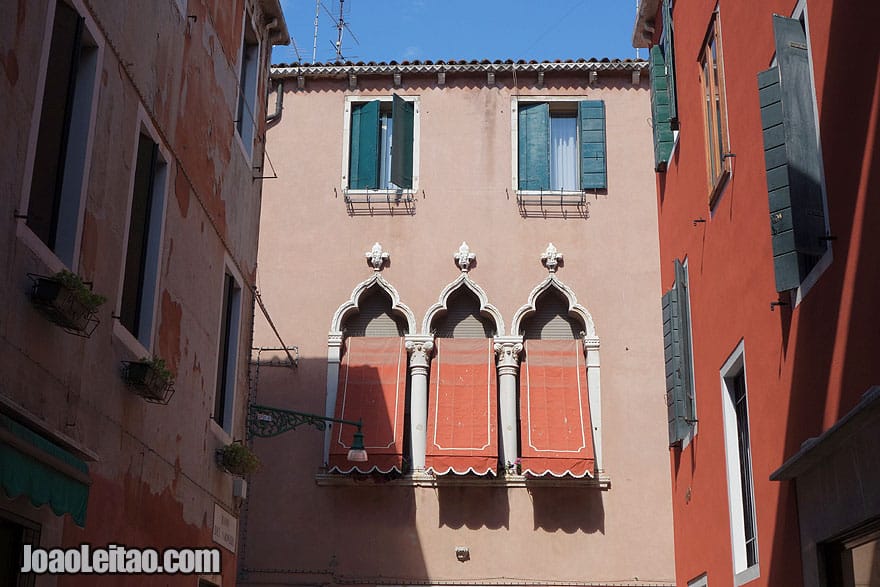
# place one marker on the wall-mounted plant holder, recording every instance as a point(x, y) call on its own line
point(64, 299)
point(237, 459)
point(149, 379)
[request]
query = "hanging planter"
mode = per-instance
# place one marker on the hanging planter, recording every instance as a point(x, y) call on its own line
point(65, 299)
point(237, 459)
point(150, 379)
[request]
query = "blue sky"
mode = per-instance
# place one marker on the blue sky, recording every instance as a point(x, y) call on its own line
point(460, 29)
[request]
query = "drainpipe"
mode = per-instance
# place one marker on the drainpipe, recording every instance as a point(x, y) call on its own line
point(279, 103)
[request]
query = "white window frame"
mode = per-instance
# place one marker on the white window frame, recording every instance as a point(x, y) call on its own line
point(143, 345)
point(82, 136)
point(350, 101)
point(232, 359)
point(247, 137)
point(800, 13)
point(515, 101)
point(734, 366)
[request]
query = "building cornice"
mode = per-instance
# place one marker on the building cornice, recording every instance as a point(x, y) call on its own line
point(330, 70)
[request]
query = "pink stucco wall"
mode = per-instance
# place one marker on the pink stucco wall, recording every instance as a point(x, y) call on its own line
point(312, 257)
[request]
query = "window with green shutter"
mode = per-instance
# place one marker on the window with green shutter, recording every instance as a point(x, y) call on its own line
point(677, 350)
point(561, 146)
point(791, 157)
point(664, 111)
point(381, 154)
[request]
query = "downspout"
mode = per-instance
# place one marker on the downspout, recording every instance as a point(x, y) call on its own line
point(279, 103)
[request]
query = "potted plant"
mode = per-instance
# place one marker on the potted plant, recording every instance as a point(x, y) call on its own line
point(237, 459)
point(66, 300)
point(150, 378)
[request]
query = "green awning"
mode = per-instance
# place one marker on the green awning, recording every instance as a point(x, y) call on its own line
point(34, 466)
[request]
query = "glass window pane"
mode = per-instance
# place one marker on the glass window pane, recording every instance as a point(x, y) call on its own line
point(563, 153)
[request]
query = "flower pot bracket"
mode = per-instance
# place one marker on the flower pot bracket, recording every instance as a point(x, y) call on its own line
point(145, 381)
point(61, 306)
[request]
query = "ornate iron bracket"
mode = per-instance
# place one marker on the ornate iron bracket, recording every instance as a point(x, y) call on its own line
point(266, 422)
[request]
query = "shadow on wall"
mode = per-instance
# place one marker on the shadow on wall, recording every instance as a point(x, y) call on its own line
point(841, 309)
point(570, 509)
point(474, 507)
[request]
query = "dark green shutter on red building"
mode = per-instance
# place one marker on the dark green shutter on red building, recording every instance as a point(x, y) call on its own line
point(791, 156)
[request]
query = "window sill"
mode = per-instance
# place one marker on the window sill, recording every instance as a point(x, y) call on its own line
point(131, 344)
point(602, 482)
point(36, 246)
point(718, 189)
point(747, 575)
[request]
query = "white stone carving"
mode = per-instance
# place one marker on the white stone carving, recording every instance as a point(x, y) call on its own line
point(377, 257)
point(464, 257)
point(463, 280)
point(551, 258)
point(343, 311)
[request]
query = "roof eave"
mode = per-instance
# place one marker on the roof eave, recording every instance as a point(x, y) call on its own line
point(272, 9)
point(643, 31)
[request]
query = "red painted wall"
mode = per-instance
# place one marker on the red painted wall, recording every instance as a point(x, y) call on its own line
point(806, 366)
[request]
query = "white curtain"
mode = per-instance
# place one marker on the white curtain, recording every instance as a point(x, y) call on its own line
point(385, 126)
point(563, 153)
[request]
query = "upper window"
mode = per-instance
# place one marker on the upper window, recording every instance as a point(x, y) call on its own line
point(142, 257)
point(791, 154)
point(664, 111)
point(715, 110)
point(382, 139)
point(246, 115)
point(561, 146)
point(54, 205)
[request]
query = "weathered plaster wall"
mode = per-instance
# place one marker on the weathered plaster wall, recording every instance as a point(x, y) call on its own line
point(312, 256)
point(155, 482)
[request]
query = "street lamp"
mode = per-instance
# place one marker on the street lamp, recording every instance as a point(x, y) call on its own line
point(266, 422)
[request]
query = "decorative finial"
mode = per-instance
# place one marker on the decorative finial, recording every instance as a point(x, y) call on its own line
point(464, 257)
point(377, 257)
point(551, 258)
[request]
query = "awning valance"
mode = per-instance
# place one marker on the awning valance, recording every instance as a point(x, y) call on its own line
point(557, 436)
point(372, 388)
point(462, 411)
point(36, 467)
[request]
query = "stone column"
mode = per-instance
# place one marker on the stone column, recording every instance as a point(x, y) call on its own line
point(334, 352)
point(508, 349)
point(419, 349)
point(591, 348)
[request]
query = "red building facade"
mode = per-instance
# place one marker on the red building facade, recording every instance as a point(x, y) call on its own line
point(765, 119)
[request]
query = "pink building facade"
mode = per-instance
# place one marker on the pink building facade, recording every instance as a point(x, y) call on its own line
point(465, 256)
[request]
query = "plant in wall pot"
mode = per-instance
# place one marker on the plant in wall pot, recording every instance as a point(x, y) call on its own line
point(150, 379)
point(237, 459)
point(66, 300)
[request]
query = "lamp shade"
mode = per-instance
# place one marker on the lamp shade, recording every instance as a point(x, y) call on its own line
point(357, 453)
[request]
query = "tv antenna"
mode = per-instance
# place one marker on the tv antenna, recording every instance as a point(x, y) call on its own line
point(341, 27)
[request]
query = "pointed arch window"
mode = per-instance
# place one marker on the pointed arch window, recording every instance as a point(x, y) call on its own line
point(557, 428)
point(371, 384)
point(462, 434)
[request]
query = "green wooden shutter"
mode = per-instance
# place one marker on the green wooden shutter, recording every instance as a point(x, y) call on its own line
point(534, 147)
point(363, 167)
point(403, 115)
point(660, 109)
point(591, 124)
point(684, 311)
point(676, 352)
point(669, 57)
point(791, 157)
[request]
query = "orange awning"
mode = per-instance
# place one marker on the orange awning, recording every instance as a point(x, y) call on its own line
point(372, 388)
point(462, 411)
point(557, 434)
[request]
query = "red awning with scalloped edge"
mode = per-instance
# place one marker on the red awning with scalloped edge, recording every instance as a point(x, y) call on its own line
point(462, 399)
point(557, 434)
point(372, 388)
